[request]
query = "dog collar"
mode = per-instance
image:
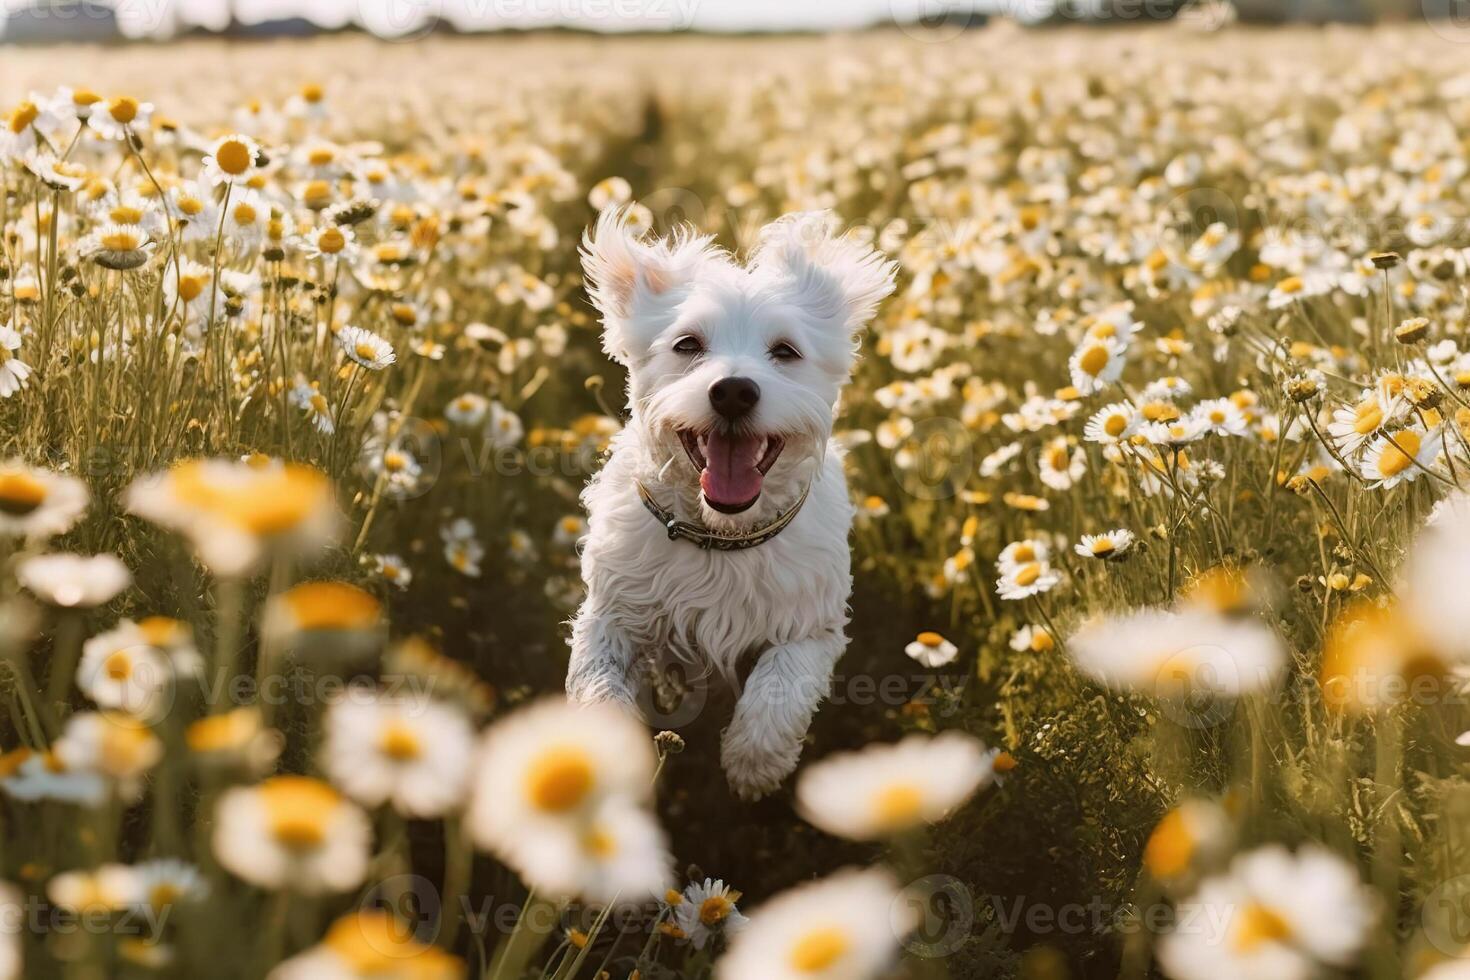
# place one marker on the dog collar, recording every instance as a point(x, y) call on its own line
point(717, 540)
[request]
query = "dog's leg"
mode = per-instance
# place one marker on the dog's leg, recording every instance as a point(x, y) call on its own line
point(763, 742)
point(602, 660)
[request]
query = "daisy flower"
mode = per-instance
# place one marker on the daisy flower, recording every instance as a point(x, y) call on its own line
point(38, 503)
point(569, 530)
point(330, 241)
point(1111, 424)
point(365, 348)
point(236, 513)
point(292, 832)
point(186, 285)
point(467, 410)
point(1272, 914)
point(247, 218)
point(615, 853)
point(1096, 364)
point(844, 927)
point(462, 547)
point(370, 943)
point(1029, 579)
point(393, 570)
point(549, 766)
point(1190, 838)
point(194, 210)
point(885, 790)
point(117, 747)
point(705, 910)
point(118, 247)
point(1221, 417)
point(231, 159)
point(932, 650)
point(313, 404)
point(117, 115)
point(1023, 552)
point(234, 740)
point(1353, 427)
point(28, 776)
point(133, 666)
point(1109, 545)
point(1180, 654)
point(1061, 464)
point(412, 754)
point(74, 581)
point(1037, 639)
point(504, 428)
point(1401, 457)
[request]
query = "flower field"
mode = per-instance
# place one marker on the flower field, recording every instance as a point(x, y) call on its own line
point(1159, 643)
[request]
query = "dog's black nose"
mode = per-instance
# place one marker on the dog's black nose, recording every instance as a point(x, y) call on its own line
point(734, 397)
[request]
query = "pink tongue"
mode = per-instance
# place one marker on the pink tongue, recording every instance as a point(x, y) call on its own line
point(730, 475)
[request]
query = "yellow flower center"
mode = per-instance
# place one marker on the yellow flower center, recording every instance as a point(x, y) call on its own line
point(1103, 546)
point(1367, 417)
point(22, 116)
point(898, 806)
point(560, 779)
point(1399, 453)
point(1170, 847)
point(190, 288)
point(714, 910)
point(123, 109)
point(120, 241)
point(331, 241)
point(819, 949)
point(930, 639)
point(1041, 641)
point(1115, 425)
point(20, 494)
point(160, 631)
point(245, 213)
point(118, 666)
point(297, 808)
point(233, 157)
point(331, 606)
point(1291, 285)
point(1028, 574)
point(191, 206)
point(366, 351)
point(1094, 360)
point(1259, 924)
point(400, 743)
point(125, 214)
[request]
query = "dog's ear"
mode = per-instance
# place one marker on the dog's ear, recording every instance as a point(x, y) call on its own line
point(633, 282)
point(837, 278)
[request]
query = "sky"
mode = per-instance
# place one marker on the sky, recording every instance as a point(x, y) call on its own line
point(393, 17)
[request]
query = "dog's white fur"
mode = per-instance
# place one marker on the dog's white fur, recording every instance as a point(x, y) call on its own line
point(784, 601)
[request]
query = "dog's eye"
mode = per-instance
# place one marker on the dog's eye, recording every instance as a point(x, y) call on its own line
point(785, 352)
point(689, 344)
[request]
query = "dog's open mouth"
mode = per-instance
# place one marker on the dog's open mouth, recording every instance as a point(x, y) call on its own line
point(731, 465)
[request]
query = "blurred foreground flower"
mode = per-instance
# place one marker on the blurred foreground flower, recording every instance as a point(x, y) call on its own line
point(1274, 914)
point(844, 927)
point(292, 832)
point(236, 513)
point(885, 790)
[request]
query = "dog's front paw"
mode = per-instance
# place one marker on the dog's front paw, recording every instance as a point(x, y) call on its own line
point(601, 687)
point(756, 766)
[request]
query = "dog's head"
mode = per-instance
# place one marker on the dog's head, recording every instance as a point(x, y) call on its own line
point(736, 368)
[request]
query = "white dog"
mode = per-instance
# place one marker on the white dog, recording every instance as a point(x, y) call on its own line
point(718, 528)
